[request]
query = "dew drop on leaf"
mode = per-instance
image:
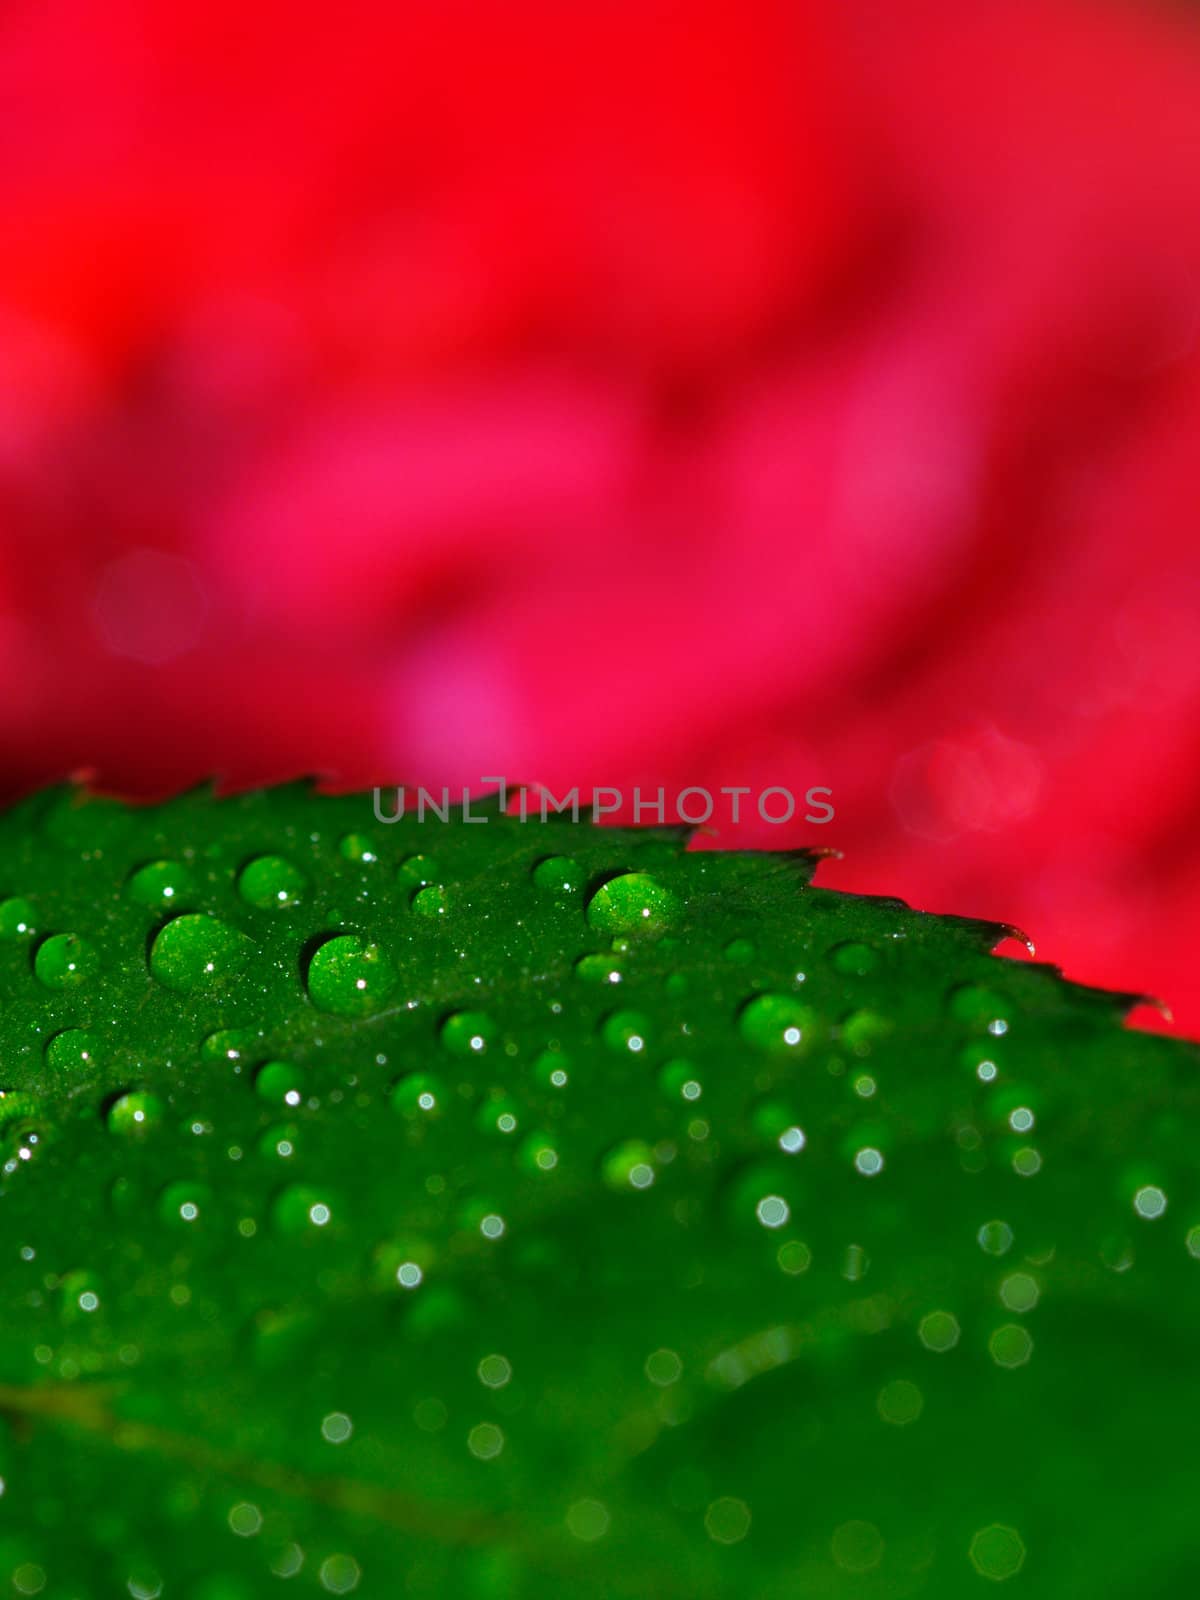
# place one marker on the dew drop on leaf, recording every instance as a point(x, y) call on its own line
point(66, 961)
point(196, 952)
point(347, 977)
point(162, 885)
point(136, 1114)
point(778, 1023)
point(18, 920)
point(633, 903)
point(272, 883)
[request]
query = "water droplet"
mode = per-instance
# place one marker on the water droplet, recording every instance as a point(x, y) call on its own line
point(417, 871)
point(498, 1115)
point(162, 885)
point(538, 1153)
point(626, 1032)
point(300, 1209)
point(432, 901)
point(778, 1022)
point(18, 919)
point(230, 1044)
point(71, 1050)
point(468, 1033)
point(678, 1081)
point(197, 952)
point(272, 883)
point(280, 1143)
point(348, 977)
point(552, 1069)
point(419, 1095)
point(854, 959)
point(358, 847)
point(281, 1082)
point(629, 1166)
point(632, 903)
point(981, 1007)
point(598, 969)
point(66, 961)
point(136, 1113)
point(869, 1161)
point(558, 875)
point(1150, 1201)
point(183, 1203)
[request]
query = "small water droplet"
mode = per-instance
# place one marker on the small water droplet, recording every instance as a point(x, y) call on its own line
point(631, 904)
point(417, 871)
point(272, 883)
point(183, 1203)
point(162, 885)
point(66, 961)
point(468, 1033)
point(778, 1022)
point(432, 901)
point(598, 969)
point(559, 875)
point(627, 1032)
point(348, 977)
point(135, 1114)
point(300, 1209)
point(358, 847)
point(420, 1095)
point(280, 1082)
point(629, 1166)
point(71, 1050)
point(855, 959)
point(18, 919)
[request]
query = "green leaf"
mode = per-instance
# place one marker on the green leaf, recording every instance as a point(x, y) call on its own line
point(534, 1209)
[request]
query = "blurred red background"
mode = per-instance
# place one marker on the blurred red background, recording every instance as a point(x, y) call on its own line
point(730, 392)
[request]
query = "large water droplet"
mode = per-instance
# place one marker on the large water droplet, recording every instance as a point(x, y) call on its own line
point(348, 977)
point(633, 903)
point(272, 883)
point(197, 952)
